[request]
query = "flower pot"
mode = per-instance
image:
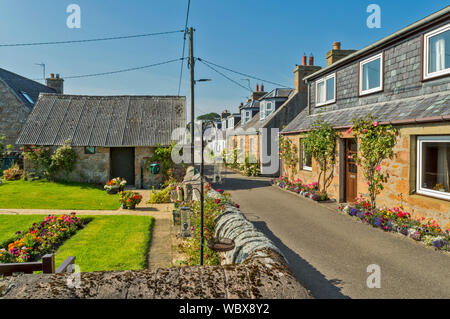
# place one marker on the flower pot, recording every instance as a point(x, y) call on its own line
point(132, 207)
point(124, 206)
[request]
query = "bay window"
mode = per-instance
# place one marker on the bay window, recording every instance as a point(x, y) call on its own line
point(371, 75)
point(433, 167)
point(437, 52)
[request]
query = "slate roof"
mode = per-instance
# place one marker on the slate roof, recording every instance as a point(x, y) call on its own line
point(109, 121)
point(19, 84)
point(425, 108)
point(283, 92)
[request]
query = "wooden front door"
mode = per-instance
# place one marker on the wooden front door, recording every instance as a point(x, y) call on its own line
point(122, 163)
point(351, 170)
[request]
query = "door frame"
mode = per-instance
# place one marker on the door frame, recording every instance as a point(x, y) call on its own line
point(133, 163)
point(345, 179)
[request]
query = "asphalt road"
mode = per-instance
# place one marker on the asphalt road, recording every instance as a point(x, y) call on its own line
point(329, 252)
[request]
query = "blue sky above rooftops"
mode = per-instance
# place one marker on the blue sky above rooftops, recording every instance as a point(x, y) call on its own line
point(258, 37)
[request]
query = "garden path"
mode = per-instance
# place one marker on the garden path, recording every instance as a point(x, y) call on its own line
point(329, 252)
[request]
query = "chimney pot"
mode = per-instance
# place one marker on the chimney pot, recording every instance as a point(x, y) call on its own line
point(52, 75)
point(257, 88)
point(311, 59)
point(57, 75)
point(262, 87)
point(304, 60)
point(336, 45)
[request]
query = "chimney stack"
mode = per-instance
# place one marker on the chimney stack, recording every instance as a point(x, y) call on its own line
point(336, 53)
point(258, 94)
point(301, 71)
point(55, 83)
point(225, 114)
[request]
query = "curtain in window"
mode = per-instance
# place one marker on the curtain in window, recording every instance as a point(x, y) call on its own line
point(440, 54)
point(443, 166)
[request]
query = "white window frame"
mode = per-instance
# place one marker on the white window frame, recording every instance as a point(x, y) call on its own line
point(426, 191)
point(230, 122)
point(262, 111)
point(361, 65)
point(426, 55)
point(305, 167)
point(272, 108)
point(324, 80)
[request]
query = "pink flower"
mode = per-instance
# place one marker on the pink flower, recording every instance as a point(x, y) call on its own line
point(349, 130)
point(364, 131)
point(367, 183)
point(378, 168)
point(375, 124)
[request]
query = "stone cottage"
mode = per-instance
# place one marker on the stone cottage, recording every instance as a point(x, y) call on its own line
point(112, 135)
point(401, 80)
point(17, 98)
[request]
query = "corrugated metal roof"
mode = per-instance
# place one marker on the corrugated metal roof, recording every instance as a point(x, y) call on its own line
point(110, 121)
point(423, 108)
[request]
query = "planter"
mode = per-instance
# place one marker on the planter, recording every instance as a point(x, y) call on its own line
point(113, 190)
point(124, 206)
point(132, 207)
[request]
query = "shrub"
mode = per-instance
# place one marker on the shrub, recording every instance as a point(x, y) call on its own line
point(129, 199)
point(63, 159)
point(162, 196)
point(13, 173)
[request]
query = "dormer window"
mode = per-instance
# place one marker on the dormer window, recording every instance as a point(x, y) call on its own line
point(246, 116)
point(326, 90)
point(371, 75)
point(269, 108)
point(437, 52)
point(231, 122)
point(27, 97)
point(262, 111)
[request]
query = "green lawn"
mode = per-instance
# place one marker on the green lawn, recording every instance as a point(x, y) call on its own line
point(10, 224)
point(49, 195)
point(109, 243)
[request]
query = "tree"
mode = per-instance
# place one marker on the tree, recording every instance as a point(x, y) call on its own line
point(376, 144)
point(320, 142)
point(209, 117)
point(2, 146)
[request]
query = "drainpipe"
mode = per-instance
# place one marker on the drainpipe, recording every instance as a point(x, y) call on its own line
point(307, 97)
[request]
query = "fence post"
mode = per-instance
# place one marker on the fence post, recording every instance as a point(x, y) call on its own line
point(48, 264)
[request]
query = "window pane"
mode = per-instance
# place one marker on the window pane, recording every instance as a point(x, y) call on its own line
point(436, 166)
point(307, 159)
point(330, 89)
point(320, 92)
point(371, 75)
point(439, 52)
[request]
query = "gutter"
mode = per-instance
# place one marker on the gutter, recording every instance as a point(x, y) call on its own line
point(431, 119)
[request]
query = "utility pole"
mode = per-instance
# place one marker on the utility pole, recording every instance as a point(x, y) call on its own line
point(191, 65)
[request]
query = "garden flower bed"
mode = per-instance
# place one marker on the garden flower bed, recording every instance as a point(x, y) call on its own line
point(40, 239)
point(400, 221)
point(298, 187)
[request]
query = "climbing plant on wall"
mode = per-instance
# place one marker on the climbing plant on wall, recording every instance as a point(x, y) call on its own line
point(376, 144)
point(320, 142)
point(289, 153)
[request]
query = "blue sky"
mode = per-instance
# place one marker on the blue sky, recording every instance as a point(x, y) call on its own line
point(258, 37)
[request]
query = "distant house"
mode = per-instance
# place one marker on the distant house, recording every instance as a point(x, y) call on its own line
point(18, 96)
point(403, 80)
point(112, 135)
point(272, 110)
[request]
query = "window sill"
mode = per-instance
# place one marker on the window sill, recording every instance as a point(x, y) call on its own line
point(369, 92)
point(435, 77)
point(434, 194)
point(326, 103)
point(306, 168)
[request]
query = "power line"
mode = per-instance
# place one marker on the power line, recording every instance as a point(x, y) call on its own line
point(240, 73)
point(184, 46)
point(225, 76)
point(90, 40)
point(123, 70)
